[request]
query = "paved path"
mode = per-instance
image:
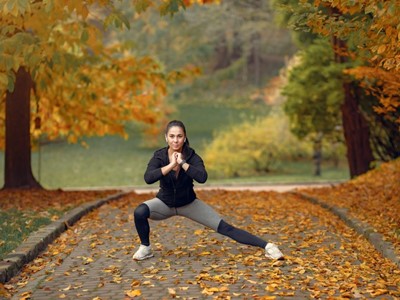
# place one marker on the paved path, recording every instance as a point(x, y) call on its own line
point(324, 257)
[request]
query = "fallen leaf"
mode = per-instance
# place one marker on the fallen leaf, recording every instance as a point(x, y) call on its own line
point(133, 293)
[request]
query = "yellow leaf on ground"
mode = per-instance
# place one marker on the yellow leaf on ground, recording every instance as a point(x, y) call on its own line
point(198, 231)
point(171, 291)
point(133, 293)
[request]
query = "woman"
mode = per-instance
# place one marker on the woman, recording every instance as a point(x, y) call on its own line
point(176, 166)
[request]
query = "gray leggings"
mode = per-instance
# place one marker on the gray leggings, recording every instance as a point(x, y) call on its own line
point(197, 211)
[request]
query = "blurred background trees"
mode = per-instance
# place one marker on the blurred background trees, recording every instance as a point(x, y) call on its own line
point(365, 46)
point(322, 85)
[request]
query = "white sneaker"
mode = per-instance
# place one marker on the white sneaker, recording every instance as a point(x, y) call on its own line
point(272, 251)
point(143, 252)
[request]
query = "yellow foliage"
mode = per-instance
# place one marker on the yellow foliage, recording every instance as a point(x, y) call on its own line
point(82, 88)
point(253, 147)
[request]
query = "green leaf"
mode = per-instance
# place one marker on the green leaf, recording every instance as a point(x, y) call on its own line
point(84, 36)
point(11, 80)
point(141, 5)
point(171, 7)
point(117, 19)
point(125, 20)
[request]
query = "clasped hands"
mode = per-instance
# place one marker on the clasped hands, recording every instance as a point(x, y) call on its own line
point(176, 158)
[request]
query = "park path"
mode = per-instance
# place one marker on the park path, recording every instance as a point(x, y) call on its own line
point(324, 257)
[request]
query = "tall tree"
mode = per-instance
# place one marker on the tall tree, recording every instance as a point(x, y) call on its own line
point(313, 14)
point(54, 52)
point(355, 126)
point(371, 29)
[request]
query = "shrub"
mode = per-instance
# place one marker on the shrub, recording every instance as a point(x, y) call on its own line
point(253, 148)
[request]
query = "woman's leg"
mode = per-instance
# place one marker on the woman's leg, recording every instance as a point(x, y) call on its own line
point(200, 212)
point(240, 235)
point(142, 214)
point(154, 209)
point(204, 214)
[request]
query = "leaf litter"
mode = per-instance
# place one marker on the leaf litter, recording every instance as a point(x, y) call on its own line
point(373, 198)
point(325, 259)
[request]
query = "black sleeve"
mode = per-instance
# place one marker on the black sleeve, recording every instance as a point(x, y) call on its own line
point(197, 170)
point(153, 172)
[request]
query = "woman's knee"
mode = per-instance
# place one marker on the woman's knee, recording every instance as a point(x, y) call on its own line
point(225, 228)
point(142, 211)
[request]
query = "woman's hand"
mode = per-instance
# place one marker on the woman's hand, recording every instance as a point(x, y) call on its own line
point(173, 162)
point(179, 157)
point(181, 161)
point(174, 159)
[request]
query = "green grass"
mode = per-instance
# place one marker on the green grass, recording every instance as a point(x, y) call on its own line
point(112, 162)
point(294, 172)
point(16, 225)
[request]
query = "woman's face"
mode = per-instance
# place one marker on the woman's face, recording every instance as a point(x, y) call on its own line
point(175, 138)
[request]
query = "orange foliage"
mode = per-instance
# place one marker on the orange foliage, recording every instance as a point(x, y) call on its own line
point(82, 88)
point(372, 198)
point(42, 200)
point(374, 28)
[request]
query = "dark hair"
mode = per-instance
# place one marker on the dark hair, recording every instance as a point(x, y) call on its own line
point(176, 123)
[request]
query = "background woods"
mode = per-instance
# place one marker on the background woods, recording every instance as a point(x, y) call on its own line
point(100, 68)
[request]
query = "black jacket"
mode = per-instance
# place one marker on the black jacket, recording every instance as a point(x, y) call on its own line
point(176, 191)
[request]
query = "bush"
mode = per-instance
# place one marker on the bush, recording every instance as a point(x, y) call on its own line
point(254, 148)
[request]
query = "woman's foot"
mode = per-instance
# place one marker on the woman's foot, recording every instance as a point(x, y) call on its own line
point(143, 252)
point(272, 251)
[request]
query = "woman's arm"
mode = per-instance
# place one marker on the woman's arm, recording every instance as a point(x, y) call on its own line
point(155, 171)
point(196, 169)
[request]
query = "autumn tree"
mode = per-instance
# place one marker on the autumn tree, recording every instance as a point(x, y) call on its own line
point(371, 29)
point(324, 18)
point(55, 69)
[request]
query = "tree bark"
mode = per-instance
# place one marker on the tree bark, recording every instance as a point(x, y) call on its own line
point(355, 126)
point(18, 171)
point(356, 134)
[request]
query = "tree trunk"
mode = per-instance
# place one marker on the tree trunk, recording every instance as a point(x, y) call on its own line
point(355, 126)
point(18, 171)
point(356, 133)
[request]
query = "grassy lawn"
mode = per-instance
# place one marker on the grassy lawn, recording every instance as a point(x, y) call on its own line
point(112, 162)
point(16, 225)
point(25, 211)
point(293, 172)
